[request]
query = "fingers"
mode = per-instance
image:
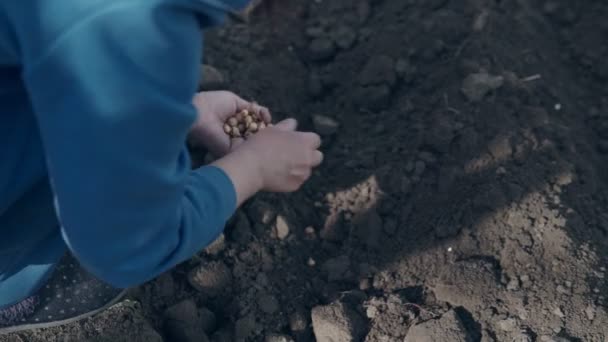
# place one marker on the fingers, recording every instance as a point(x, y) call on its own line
point(254, 107)
point(262, 112)
point(287, 125)
point(266, 115)
point(240, 103)
point(301, 172)
point(317, 158)
point(312, 140)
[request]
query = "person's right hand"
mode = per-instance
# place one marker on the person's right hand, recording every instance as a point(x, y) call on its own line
point(283, 157)
point(277, 159)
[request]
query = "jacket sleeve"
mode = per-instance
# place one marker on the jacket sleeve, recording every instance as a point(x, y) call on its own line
point(113, 95)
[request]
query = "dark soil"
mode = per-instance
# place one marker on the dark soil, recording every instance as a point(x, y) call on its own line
point(464, 191)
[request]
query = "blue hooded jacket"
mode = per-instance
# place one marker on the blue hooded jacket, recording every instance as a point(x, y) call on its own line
point(95, 107)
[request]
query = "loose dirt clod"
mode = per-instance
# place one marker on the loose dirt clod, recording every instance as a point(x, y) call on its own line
point(337, 322)
point(212, 279)
point(311, 262)
point(298, 321)
point(183, 322)
point(310, 233)
point(476, 86)
point(590, 312)
point(217, 246)
point(278, 338)
point(447, 328)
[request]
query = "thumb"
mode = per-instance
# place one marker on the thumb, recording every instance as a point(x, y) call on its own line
point(287, 125)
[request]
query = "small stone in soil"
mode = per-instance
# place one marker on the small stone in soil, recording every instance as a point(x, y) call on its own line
point(298, 322)
point(337, 322)
point(590, 313)
point(371, 312)
point(269, 304)
point(513, 285)
point(509, 324)
point(261, 212)
point(217, 246)
point(365, 284)
point(476, 86)
point(558, 312)
point(562, 289)
point(281, 228)
point(325, 125)
point(278, 338)
point(212, 279)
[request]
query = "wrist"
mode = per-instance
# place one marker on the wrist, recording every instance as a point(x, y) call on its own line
point(245, 172)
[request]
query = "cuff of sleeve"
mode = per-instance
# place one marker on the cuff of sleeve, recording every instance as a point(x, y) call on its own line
point(226, 192)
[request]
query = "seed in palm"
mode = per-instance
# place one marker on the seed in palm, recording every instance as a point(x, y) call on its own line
point(244, 124)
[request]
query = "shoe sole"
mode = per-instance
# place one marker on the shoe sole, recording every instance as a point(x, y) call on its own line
point(36, 326)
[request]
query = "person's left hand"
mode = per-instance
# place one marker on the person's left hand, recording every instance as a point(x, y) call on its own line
point(214, 108)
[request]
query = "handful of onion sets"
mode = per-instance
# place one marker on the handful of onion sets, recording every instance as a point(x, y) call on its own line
point(244, 124)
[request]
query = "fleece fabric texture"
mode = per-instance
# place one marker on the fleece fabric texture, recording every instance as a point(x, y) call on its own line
point(95, 107)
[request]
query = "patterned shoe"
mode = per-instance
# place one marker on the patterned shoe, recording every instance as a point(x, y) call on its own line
point(70, 295)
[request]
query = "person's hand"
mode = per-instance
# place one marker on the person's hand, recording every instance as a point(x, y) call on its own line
point(284, 158)
point(277, 159)
point(214, 108)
